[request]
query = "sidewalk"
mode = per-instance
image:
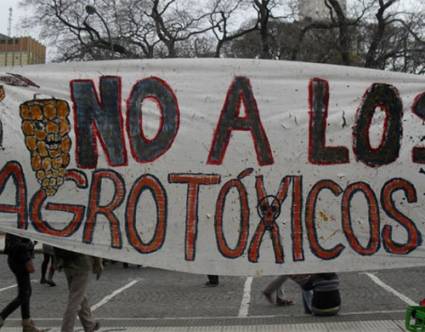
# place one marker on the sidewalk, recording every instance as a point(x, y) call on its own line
point(367, 326)
point(248, 324)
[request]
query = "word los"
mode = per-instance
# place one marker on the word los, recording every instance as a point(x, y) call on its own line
point(249, 240)
point(102, 119)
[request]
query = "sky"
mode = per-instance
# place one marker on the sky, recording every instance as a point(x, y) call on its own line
point(19, 13)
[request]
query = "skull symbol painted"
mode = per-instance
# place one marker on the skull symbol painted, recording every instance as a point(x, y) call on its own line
point(46, 128)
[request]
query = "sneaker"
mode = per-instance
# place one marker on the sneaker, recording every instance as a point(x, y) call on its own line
point(51, 283)
point(28, 326)
point(283, 302)
point(95, 327)
point(269, 297)
point(211, 284)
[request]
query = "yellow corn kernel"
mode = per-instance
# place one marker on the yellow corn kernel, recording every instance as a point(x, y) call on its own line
point(66, 144)
point(53, 153)
point(65, 160)
point(57, 163)
point(62, 109)
point(41, 146)
point(41, 135)
point(52, 127)
point(36, 162)
point(28, 128)
point(50, 110)
point(40, 174)
point(47, 163)
point(59, 180)
point(31, 143)
point(36, 113)
point(25, 112)
point(64, 127)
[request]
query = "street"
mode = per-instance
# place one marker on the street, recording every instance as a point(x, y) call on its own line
point(135, 297)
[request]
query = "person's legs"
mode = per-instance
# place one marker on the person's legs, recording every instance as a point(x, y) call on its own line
point(49, 280)
point(44, 265)
point(22, 300)
point(86, 316)
point(24, 285)
point(77, 284)
point(273, 286)
point(212, 280)
point(307, 300)
point(281, 299)
point(24, 293)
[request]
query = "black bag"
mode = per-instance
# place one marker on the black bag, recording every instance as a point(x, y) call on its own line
point(326, 296)
point(14, 244)
point(321, 295)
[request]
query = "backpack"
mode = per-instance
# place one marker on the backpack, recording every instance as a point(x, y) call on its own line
point(326, 296)
point(65, 254)
point(63, 257)
point(16, 244)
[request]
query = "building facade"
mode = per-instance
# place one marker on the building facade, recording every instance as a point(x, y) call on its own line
point(21, 51)
point(316, 10)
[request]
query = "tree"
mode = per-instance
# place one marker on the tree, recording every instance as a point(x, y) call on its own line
point(373, 34)
point(118, 28)
point(221, 22)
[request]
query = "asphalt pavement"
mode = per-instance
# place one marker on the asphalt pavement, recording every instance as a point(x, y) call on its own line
point(147, 299)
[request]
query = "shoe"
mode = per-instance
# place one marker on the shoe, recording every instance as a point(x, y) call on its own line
point(211, 284)
point(268, 297)
point(95, 327)
point(28, 326)
point(43, 281)
point(51, 283)
point(283, 302)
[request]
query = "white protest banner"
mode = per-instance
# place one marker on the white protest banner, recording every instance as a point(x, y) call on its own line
point(230, 167)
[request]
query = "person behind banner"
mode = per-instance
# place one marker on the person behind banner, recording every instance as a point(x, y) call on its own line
point(213, 280)
point(48, 256)
point(320, 292)
point(77, 268)
point(321, 296)
point(20, 253)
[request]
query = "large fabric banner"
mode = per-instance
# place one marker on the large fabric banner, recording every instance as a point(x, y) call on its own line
point(230, 167)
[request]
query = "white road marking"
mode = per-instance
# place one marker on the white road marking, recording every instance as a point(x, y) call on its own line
point(201, 318)
point(8, 287)
point(388, 288)
point(246, 298)
point(12, 286)
point(108, 298)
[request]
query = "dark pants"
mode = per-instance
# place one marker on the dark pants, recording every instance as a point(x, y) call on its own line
point(45, 264)
point(213, 279)
point(24, 291)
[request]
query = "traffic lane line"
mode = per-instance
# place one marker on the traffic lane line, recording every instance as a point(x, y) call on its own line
point(109, 297)
point(13, 286)
point(246, 298)
point(391, 290)
point(130, 319)
point(8, 287)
